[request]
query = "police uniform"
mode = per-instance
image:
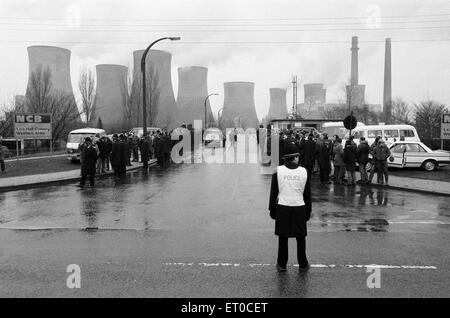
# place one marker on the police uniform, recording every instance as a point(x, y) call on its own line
point(290, 207)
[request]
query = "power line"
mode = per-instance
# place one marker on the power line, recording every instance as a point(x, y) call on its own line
point(221, 25)
point(225, 42)
point(233, 30)
point(234, 19)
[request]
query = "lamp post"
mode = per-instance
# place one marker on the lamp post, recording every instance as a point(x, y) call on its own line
point(206, 99)
point(218, 117)
point(144, 86)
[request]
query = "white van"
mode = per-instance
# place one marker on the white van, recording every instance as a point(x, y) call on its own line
point(389, 133)
point(76, 137)
point(336, 128)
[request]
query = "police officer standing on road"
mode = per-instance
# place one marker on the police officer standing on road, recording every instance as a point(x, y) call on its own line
point(290, 207)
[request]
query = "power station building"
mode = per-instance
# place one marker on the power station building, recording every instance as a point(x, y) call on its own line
point(192, 93)
point(239, 105)
point(109, 97)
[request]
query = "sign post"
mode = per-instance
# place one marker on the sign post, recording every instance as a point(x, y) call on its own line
point(445, 128)
point(32, 126)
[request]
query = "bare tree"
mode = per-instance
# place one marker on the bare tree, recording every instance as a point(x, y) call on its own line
point(40, 98)
point(401, 112)
point(86, 85)
point(7, 111)
point(127, 100)
point(428, 119)
point(153, 94)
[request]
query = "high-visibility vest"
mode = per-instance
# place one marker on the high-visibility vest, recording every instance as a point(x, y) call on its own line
point(291, 183)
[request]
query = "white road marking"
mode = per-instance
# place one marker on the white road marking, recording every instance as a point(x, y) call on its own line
point(252, 265)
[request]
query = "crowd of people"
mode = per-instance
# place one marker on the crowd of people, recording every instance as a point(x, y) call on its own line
point(338, 160)
point(100, 154)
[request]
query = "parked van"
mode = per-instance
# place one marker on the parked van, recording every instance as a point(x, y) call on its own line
point(337, 128)
point(76, 137)
point(389, 133)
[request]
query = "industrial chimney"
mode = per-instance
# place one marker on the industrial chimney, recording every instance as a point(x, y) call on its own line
point(109, 97)
point(192, 92)
point(278, 106)
point(239, 105)
point(355, 92)
point(158, 63)
point(387, 92)
point(57, 60)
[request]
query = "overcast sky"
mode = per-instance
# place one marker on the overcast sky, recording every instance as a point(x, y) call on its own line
point(100, 32)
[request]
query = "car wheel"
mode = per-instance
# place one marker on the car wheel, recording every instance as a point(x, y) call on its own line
point(429, 165)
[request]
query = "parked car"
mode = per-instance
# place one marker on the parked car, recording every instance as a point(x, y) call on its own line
point(76, 137)
point(416, 154)
point(213, 138)
point(139, 131)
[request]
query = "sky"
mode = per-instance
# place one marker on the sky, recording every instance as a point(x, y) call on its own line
point(265, 42)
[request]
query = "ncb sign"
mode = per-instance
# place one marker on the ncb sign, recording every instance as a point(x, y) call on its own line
point(445, 126)
point(32, 126)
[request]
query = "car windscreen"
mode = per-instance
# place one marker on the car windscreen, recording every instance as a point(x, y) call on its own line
point(75, 138)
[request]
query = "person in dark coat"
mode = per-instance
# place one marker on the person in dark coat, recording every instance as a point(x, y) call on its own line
point(89, 154)
point(103, 152)
point(167, 147)
point(308, 149)
point(374, 161)
point(128, 143)
point(362, 153)
point(338, 161)
point(118, 157)
point(290, 207)
point(159, 151)
point(145, 150)
point(135, 147)
point(350, 161)
point(324, 150)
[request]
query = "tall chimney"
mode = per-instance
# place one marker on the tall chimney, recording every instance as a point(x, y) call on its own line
point(354, 67)
point(387, 92)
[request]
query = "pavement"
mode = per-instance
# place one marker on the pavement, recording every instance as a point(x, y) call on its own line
point(203, 230)
point(45, 179)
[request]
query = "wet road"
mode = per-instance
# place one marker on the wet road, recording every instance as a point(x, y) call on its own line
point(204, 230)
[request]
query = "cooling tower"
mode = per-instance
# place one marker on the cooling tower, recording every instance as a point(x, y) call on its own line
point(239, 105)
point(387, 91)
point(109, 98)
point(278, 106)
point(158, 63)
point(192, 92)
point(57, 60)
point(315, 96)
